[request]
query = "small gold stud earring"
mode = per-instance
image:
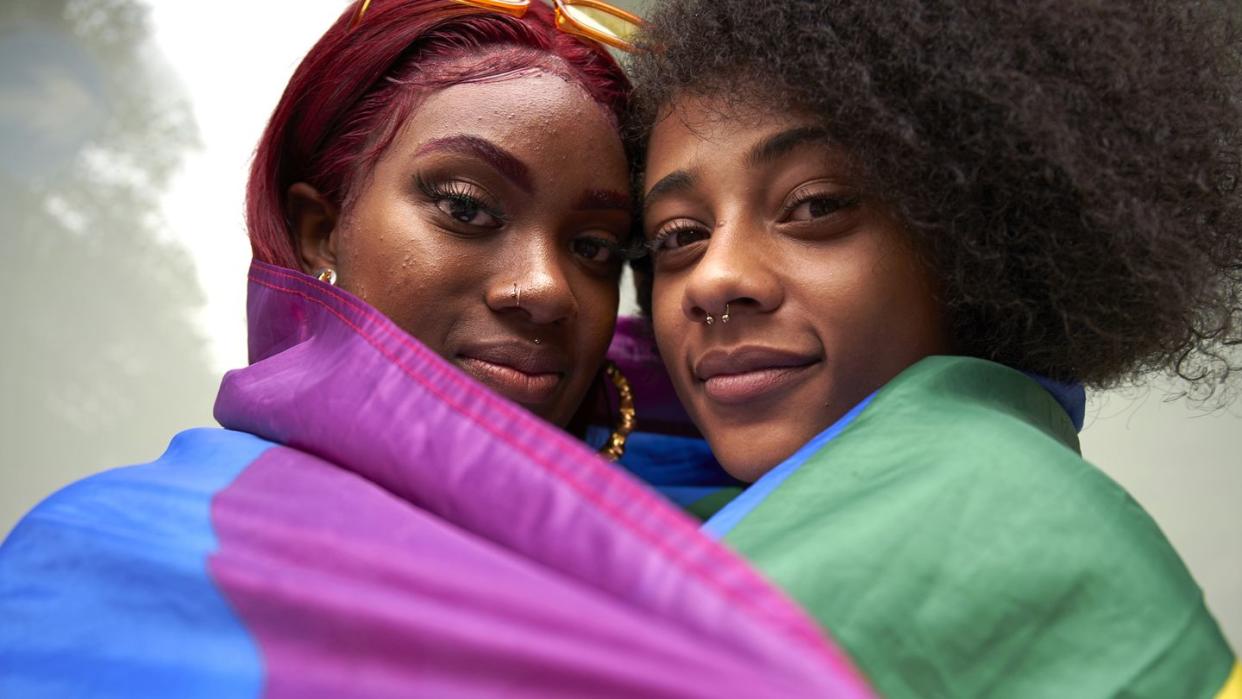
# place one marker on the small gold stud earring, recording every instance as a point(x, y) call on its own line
point(327, 275)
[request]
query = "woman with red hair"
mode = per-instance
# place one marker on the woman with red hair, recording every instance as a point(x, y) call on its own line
point(461, 172)
point(439, 206)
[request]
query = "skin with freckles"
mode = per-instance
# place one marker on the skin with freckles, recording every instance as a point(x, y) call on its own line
point(827, 300)
point(489, 231)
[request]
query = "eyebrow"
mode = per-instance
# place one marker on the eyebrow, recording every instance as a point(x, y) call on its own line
point(775, 147)
point(673, 183)
point(502, 160)
point(769, 149)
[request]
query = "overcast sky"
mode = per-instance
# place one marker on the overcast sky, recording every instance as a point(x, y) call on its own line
point(233, 57)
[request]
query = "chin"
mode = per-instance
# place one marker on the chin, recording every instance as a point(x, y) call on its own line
point(748, 447)
point(749, 459)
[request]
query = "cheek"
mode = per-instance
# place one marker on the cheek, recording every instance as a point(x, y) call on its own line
point(395, 237)
point(597, 313)
point(898, 294)
point(407, 272)
point(874, 306)
point(668, 323)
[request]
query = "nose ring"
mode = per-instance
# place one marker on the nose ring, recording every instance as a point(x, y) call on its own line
point(724, 317)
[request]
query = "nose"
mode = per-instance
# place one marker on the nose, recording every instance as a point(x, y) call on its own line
point(534, 284)
point(735, 272)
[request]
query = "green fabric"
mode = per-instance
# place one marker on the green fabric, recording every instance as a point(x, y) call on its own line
point(956, 543)
point(708, 505)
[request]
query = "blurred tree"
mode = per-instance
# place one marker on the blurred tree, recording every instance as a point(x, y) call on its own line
point(102, 359)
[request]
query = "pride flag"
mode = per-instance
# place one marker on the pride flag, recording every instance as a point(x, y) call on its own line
point(372, 523)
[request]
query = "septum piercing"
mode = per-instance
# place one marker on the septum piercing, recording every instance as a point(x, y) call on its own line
point(724, 317)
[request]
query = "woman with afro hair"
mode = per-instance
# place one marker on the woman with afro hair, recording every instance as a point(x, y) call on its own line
point(891, 242)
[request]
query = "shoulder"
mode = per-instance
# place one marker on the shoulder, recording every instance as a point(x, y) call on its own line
point(956, 405)
point(956, 514)
point(965, 437)
point(163, 499)
point(143, 499)
point(981, 445)
point(88, 578)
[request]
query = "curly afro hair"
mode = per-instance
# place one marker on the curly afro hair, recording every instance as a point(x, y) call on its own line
point(1068, 168)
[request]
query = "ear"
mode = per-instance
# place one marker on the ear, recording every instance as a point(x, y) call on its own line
point(312, 220)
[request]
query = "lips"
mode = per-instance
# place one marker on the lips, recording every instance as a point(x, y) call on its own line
point(745, 374)
point(521, 373)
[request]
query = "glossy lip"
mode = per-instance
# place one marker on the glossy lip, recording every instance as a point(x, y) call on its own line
point(515, 369)
point(744, 374)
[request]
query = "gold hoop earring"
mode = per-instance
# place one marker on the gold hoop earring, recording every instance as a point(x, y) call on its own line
point(626, 420)
point(327, 275)
point(724, 318)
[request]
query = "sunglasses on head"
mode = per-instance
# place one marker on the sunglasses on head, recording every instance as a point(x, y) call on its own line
point(590, 19)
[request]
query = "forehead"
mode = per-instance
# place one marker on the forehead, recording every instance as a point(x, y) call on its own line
point(532, 111)
point(694, 131)
point(717, 114)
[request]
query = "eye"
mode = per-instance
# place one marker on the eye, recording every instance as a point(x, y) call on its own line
point(677, 235)
point(595, 249)
point(811, 206)
point(467, 210)
point(463, 202)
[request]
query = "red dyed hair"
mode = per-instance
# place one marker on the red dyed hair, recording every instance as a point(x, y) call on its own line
point(353, 90)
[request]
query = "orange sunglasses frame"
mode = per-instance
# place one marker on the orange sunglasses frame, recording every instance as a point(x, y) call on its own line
point(564, 21)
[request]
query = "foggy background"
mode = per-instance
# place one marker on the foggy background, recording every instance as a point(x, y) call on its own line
point(126, 129)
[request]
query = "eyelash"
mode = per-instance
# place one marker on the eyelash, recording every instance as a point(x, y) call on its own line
point(617, 252)
point(655, 246)
point(840, 202)
point(460, 193)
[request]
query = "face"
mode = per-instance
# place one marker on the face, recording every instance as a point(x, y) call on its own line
point(760, 217)
point(489, 230)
